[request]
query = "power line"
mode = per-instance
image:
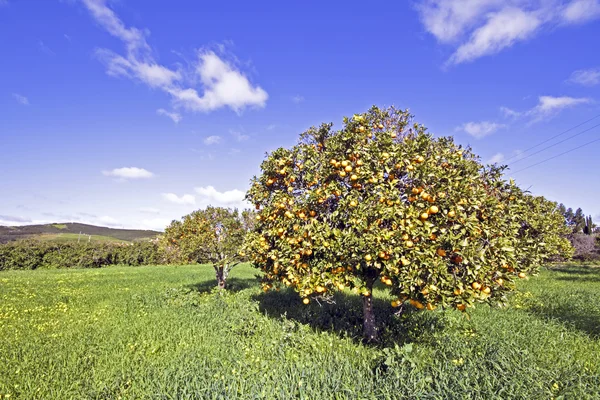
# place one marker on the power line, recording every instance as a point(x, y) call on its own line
point(558, 155)
point(555, 144)
point(554, 137)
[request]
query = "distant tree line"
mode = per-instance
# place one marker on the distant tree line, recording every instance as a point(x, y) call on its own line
point(36, 254)
point(578, 221)
point(584, 234)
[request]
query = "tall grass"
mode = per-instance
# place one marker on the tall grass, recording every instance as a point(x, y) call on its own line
point(161, 333)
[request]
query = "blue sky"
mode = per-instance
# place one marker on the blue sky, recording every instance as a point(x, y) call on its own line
point(131, 113)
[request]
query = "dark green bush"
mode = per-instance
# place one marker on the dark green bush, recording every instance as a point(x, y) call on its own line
point(33, 254)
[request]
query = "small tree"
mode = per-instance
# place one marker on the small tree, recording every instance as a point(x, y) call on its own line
point(213, 235)
point(382, 199)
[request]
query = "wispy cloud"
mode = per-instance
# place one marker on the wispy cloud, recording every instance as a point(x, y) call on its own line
point(13, 219)
point(239, 136)
point(586, 77)
point(580, 11)
point(509, 112)
point(108, 221)
point(298, 99)
point(176, 117)
point(21, 99)
point(478, 28)
point(479, 129)
point(547, 108)
point(229, 198)
point(149, 210)
point(496, 158)
point(212, 140)
point(45, 49)
point(184, 199)
point(220, 82)
point(129, 173)
point(155, 224)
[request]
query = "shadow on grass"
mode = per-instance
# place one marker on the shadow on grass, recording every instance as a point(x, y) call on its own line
point(233, 285)
point(344, 316)
point(586, 321)
point(576, 270)
point(581, 312)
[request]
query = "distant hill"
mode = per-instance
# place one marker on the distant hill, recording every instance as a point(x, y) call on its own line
point(70, 232)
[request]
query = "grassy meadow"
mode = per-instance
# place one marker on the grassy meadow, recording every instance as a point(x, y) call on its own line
point(160, 332)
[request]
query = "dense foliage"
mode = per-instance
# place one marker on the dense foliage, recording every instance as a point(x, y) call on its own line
point(34, 254)
point(383, 199)
point(213, 235)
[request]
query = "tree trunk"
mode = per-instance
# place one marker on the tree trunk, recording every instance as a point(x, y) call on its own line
point(221, 276)
point(369, 325)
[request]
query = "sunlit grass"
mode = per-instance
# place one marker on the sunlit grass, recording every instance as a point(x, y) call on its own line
point(159, 332)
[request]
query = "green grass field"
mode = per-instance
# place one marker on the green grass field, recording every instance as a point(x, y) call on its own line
point(160, 333)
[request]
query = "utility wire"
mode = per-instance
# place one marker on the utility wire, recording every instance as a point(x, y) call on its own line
point(558, 155)
point(554, 137)
point(555, 144)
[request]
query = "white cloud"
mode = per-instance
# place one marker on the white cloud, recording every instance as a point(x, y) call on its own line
point(149, 210)
point(222, 84)
point(549, 106)
point(447, 20)
point(21, 99)
point(496, 158)
point(185, 199)
point(479, 129)
point(271, 127)
point(298, 99)
point(212, 140)
point(501, 30)
point(230, 198)
point(478, 28)
point(580, 11)
point(176, 117)
point(586, 77)
point(129, 173)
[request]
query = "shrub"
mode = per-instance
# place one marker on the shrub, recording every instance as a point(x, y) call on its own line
point(34, 254)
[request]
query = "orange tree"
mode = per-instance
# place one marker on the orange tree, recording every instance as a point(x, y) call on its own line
point(382, 199)
point(213, 235)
